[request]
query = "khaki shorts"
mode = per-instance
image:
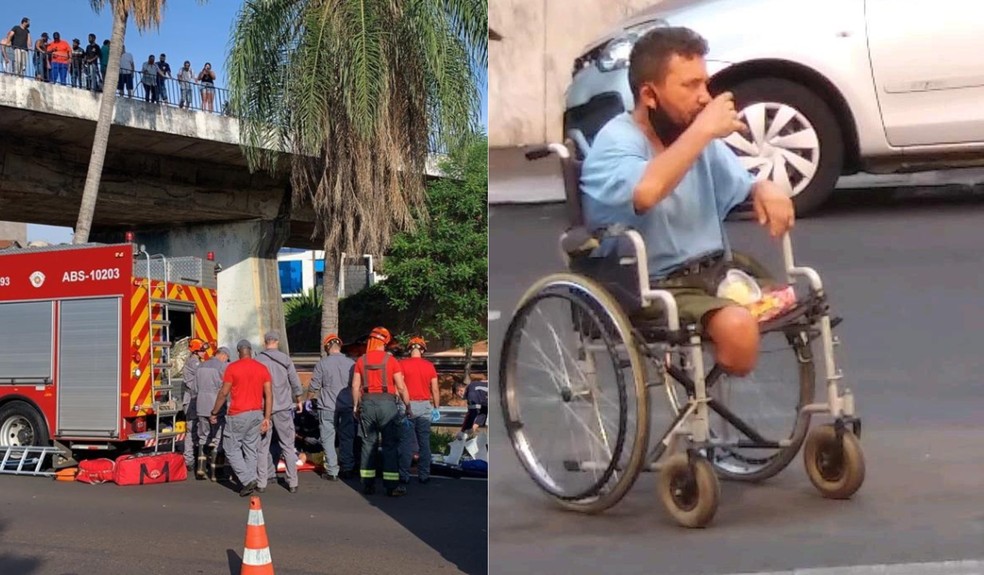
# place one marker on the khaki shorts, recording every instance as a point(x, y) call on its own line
point(694, 301)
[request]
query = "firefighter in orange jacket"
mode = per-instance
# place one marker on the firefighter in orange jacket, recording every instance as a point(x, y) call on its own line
point(377, 386)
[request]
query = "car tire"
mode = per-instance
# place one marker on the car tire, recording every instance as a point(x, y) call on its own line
point(21, 419)
point(777, 98)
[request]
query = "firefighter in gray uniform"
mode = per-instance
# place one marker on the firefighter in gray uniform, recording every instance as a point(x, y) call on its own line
point(197, 348)
point(209, 380)
point(332, 375)
point(286, 385)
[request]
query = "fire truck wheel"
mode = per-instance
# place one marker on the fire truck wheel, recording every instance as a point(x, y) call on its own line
point(21, 424)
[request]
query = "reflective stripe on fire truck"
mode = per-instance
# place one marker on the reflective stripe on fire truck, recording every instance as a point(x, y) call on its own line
point(206, 327)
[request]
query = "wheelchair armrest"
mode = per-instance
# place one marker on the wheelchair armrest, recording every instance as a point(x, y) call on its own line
point(615, 256)
point(794, 271)
point(578, 242)
point(541, 152)
point(791, 269)
point(648, 294)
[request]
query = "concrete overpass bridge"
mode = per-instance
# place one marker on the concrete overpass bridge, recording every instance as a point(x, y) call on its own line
point(177, 178)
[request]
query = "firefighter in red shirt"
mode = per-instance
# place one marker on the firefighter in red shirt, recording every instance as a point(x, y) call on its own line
point(421, 380)
point(247, 383)
point(377, 386)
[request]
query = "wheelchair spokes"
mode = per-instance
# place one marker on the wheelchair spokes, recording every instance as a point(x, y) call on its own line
point(755, 421)
point(570, 415)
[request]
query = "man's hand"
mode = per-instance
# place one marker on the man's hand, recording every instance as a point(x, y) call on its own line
point(773, 208)
point(265, 426)
point(213, 419)
point(719, 119)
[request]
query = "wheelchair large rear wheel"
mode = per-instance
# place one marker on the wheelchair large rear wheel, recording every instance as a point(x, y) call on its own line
point(768, 400)
point(573, 394)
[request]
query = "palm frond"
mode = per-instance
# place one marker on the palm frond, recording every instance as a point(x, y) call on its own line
point(359, 92)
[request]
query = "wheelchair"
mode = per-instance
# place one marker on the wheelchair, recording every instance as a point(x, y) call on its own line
point(594, 391)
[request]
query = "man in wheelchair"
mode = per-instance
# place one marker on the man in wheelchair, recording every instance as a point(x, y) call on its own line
point(663, 170)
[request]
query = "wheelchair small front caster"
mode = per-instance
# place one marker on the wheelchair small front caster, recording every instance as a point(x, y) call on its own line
point(835, 467)
point(689, 491)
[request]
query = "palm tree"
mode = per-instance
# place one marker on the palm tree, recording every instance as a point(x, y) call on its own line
point(360, 93)
point(146, 14)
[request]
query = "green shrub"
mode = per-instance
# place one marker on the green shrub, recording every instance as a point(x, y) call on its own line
point(440, 441)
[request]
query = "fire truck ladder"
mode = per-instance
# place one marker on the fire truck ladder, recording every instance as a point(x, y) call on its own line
point(166, 403)
point(26, 460)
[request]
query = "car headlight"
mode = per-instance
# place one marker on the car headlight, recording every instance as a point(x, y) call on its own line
point(616, 53)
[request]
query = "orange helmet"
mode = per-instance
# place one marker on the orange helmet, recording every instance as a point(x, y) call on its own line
point(331, 337)
point(380, 333)
point(418, 342)
point(197, 345)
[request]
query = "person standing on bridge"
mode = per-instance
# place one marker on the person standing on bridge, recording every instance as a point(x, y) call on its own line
point(425, 397)
point(104, 59)
point(207, 79)
point(77, 64)
point(42, 65)
point(93, 79)
point(163, 74)
point(127, 68)
point(286, 385)
point(331, 376)
point(247, 385)
point(377, 385)
point(189, 374)
point(148, 78)
point(61, 54)
point(15, 47)
point(208, 383)
point(185, 79)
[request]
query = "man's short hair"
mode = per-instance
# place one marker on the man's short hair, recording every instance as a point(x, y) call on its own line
point(651, 54)
point(271, 336)
point(244, 344)
point(25, 20)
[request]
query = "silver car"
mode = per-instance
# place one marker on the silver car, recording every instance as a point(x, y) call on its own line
point(826, 88)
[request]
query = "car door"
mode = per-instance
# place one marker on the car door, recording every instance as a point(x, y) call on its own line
point(927, 68)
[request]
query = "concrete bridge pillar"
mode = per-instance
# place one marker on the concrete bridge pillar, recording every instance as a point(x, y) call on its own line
point(249, 300)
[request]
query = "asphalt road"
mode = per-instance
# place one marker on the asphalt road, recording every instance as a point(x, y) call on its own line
point(905, 271)
point(52, 528)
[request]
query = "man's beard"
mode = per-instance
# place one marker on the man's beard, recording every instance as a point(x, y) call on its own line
point(666, 128)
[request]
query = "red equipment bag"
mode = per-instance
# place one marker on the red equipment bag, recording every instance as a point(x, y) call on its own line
point(94, 471)
point(150, 469)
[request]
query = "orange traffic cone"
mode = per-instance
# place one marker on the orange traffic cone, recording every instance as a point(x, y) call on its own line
point(256, 555)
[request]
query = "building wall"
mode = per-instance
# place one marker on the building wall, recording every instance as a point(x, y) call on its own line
point(300, 271)
point(530, 67)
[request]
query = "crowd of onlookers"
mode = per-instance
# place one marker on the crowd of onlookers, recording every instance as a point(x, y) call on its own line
point(55, 60)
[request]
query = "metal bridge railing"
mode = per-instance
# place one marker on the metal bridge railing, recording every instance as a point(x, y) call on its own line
point(37, 65)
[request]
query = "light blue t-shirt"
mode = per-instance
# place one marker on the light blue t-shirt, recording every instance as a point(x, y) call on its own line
point(684, 225)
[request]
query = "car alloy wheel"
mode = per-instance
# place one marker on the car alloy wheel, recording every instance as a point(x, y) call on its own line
point(781, 145)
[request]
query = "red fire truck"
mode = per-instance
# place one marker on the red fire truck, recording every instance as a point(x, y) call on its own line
point(86, 347)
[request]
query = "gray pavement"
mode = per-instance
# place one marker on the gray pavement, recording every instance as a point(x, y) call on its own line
point(904, 269)
point(52, 528)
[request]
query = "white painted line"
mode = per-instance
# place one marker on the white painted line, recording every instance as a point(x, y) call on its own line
point(494, 315)
point(972, 567)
